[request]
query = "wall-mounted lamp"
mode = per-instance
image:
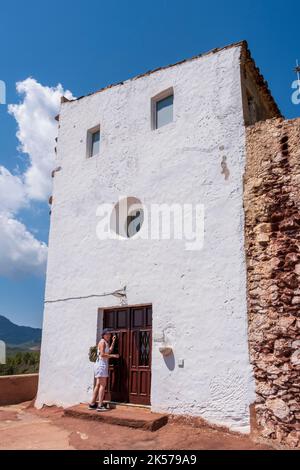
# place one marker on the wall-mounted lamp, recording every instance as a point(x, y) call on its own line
point(120, 293)
point(165, 350)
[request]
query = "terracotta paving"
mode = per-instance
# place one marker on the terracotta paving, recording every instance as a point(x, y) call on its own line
point(24, 427)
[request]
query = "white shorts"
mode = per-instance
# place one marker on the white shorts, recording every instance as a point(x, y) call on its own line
point(101, 369)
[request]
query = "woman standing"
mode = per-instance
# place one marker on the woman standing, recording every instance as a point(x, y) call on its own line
point(104, 352)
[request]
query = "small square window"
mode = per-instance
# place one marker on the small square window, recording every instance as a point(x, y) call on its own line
point(93, 142)
point(162, 109)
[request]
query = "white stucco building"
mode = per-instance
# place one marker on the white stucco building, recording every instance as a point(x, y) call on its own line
point(172, 136)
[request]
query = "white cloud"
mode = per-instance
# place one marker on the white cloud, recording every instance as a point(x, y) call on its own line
point(20, 252)
point(12, 191)
point(37, 130)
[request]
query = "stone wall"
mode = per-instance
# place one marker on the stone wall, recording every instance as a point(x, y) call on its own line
point(18, 388)
point(272, 200)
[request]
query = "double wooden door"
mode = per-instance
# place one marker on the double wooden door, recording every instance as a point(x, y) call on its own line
point(130, 375)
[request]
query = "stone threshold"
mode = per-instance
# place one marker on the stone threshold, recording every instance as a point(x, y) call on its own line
point(117, 404)
point(132, 417)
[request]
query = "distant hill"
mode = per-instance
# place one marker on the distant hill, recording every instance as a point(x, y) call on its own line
point(23, 337)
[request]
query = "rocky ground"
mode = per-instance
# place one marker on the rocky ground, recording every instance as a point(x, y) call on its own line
point(23, 427)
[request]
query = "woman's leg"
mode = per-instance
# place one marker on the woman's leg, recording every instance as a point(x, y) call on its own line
point(96, 391)
point(102, 381)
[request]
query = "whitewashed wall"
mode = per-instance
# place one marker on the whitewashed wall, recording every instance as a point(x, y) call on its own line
point(199, 298)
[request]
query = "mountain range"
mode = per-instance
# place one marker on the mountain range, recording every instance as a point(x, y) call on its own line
point(19, 336)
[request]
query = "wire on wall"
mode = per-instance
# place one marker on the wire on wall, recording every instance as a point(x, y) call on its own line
point(120, 293)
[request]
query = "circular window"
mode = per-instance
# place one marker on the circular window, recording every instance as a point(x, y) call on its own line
point(127, 217)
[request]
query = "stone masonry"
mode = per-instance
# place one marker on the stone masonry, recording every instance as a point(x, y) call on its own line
point(272, 200)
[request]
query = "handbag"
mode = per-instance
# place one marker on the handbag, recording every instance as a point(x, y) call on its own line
point(93, 353)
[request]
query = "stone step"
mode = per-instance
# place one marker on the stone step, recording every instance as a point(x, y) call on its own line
point(132, 417)
point(116, 405)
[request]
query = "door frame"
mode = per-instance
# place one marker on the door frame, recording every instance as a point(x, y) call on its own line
point(100, 325)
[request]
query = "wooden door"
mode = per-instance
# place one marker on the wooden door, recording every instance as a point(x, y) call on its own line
point(119, 322)
point(140, 355)
point(130, 375)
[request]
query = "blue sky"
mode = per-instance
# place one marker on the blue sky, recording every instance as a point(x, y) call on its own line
point(85, 45)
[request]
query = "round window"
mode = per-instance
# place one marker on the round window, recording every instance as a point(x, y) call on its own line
point(127, 217)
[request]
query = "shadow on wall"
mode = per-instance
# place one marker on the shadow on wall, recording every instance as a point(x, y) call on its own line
point(170, 361)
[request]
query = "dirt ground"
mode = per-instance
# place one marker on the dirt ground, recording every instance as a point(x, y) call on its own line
point(23, 427)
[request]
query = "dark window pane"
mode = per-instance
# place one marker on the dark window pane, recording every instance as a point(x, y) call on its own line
point(144, 348)
point(95, 147)
point(137, 317)
point(149, 316)
point(122, 318)
point(164, 111)
point(109, 319)
point(134, 222)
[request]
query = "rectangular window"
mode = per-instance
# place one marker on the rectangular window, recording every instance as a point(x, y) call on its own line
point(93, 142)
point(162, 109)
